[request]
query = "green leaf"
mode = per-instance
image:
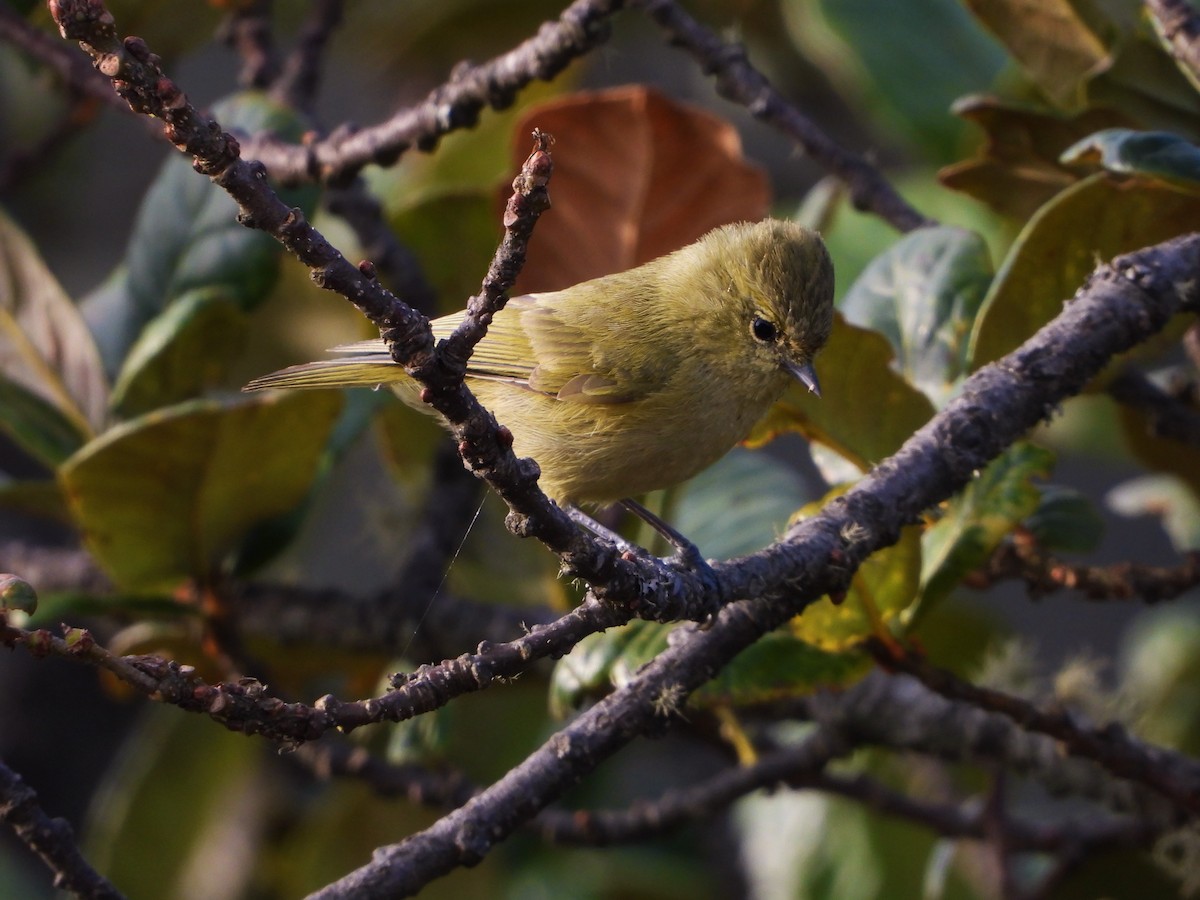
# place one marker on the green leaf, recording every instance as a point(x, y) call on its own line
point(1160, 674)
point(1066, 520)
point(739, 505)
point(778, 666)
point(181, 353)
point(187, 238)
point(1165, 497)
point(602, 661)
point(906, 61)
point(977, 520)
point(922, 294)
point(37, 426)
point(169, 495)
point(167, 762)
point(47, 356)
point(35, 498)
point(866, 410)
point(880, 592)
point(1096, 219)
point(1155, 154)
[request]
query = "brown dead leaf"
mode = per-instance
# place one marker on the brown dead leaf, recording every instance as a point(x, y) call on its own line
point(1017, 169)
point(636, 175)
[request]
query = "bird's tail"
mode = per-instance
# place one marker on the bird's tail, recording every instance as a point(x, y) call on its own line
point(362, 368)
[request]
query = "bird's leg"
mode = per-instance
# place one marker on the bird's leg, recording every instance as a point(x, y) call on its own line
point(686, 555)
point(685, 551)
point(583, 520)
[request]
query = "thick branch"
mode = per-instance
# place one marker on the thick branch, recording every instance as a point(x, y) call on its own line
point(1121, 304)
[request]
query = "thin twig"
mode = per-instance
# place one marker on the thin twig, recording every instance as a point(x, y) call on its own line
point(1043, 574)
point(297, 83)
point(1179, 23)
point(396, 264)
point(1174, 777)
point(1172, 417)
point(248, 31)
point(456, 104)
point(738, 81)
point(51, 839)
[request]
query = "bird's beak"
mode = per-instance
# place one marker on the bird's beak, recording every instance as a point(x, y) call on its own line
point(806, 375)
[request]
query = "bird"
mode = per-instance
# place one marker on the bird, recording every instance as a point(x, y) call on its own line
point(638, 380)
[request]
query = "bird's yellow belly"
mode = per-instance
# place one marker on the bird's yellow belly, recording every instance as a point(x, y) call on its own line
point(615, 450)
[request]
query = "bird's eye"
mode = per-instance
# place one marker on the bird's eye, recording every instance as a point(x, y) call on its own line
point(764, 330)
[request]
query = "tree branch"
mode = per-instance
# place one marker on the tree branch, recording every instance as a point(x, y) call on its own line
point(297, 83)
point(1179, 23)
point(738, 81)
point(1168, 416)
point(1175, 777)
point(1121, 304)
point(51, 839)
point(1044, 574)
point(456, 104)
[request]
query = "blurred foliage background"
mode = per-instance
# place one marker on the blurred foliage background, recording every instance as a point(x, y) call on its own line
point(1042, 137)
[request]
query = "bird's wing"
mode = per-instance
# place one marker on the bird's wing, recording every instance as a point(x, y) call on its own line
point(574, 353)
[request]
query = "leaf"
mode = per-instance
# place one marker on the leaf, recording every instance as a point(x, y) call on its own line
point(1018, 169)
point(187, 238)
point(977, 520)
point(1096, 219)
point(181, 353)
point(1056, 46)
point(45, 349)
point(739, 505)
point(866, 410)
point(1066, 520)
point(1154, 154)
point(602, 661)
point(777, 666)
point(38, 427)
point(1145, 84)
point(167, 496)
point(884, 586)
point(905, 62)
point(166, 763)
point(922, 294)
point(35, 498)
point(1165, 497)
point(636, 175)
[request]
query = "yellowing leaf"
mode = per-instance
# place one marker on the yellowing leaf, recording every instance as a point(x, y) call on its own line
point(882, 589)
point(1018, 168)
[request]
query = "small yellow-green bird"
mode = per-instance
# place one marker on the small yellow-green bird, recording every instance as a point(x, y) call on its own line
point(635, 381)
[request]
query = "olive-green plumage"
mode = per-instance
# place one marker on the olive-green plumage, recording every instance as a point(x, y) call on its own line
point(636, 381)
